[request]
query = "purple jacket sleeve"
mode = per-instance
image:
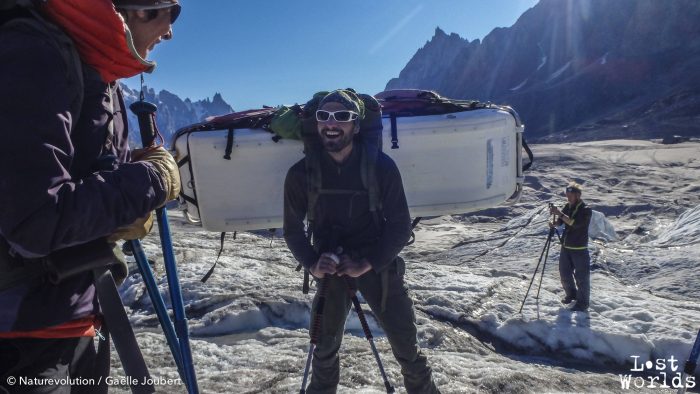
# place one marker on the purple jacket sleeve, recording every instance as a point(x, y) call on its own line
point(42, 206)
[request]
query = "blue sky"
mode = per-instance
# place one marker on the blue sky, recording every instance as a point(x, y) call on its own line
point(281, 52)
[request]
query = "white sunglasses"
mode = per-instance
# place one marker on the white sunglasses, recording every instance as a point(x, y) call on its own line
point(338, 116)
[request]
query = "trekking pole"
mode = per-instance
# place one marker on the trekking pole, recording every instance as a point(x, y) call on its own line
point(145, 113)
point(545, 248)
point(315, 329)
point(690, 364)
point(352, 292)
point(158, 303)
point(368, 334)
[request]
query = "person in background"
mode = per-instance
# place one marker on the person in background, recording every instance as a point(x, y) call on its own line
point(574, 259)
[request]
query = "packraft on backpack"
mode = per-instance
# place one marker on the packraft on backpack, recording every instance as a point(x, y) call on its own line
point(455, 156)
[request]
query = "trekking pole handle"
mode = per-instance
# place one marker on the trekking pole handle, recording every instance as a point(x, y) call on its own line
point(144, 112)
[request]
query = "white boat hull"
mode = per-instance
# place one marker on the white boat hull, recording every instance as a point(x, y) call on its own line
point(450, 164)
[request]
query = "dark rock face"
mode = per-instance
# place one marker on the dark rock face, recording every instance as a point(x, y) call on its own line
point(173, 113)
point(578, 69)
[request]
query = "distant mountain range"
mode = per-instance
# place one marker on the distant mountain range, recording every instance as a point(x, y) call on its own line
point(173, 112)
point(578, 69)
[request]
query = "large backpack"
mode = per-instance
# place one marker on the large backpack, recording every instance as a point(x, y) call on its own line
point(20, 15)
point(369, 139)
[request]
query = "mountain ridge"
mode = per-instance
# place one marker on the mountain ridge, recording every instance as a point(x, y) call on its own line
point(577, 70)
point(173, 112)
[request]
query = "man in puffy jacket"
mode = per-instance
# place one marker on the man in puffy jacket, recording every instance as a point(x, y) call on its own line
point(574, 259)
point(67, 176)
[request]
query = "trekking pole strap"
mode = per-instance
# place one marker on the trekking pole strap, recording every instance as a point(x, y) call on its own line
point(222, 237)
point(394, 132)
point(414, 223)
point(122, 333)
point(229, 145)
point(530, 156)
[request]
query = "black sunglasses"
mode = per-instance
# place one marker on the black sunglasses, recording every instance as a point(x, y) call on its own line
point(175, 10)
point(152, 12)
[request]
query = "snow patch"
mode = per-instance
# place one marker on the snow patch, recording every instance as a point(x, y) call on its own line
point(684, 231)
point(601, 228)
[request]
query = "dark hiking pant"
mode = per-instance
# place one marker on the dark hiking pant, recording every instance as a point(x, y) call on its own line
point(575, 273)
point(398, 321)
point(46, 360)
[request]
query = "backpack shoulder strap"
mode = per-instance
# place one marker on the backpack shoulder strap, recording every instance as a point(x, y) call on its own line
point(370, 180)
point(20, 15)
point(28, 18)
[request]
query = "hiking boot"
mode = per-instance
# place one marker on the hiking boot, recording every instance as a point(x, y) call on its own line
point(567, 300)
point(579, 308)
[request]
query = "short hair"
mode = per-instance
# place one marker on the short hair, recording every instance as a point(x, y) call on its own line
point(574, 187)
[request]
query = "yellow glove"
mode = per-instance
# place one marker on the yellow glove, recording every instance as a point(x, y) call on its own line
point(165, 166)
point(136, 230)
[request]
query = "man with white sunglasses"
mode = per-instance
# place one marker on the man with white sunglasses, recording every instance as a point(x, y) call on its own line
point(351, 246)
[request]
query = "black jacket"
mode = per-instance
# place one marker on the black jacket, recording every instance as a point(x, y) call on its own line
point(576, 235)
point(52, 193)
point(347, 214)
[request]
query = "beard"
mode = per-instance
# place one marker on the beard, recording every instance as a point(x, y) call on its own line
point(336, 143)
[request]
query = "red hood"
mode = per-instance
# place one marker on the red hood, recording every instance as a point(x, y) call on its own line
point(100, 35)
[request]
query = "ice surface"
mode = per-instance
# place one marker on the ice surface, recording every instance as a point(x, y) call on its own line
point(468, 276)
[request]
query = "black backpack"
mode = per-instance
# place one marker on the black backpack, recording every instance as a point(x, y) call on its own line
point(20, 15)
point(369, 140)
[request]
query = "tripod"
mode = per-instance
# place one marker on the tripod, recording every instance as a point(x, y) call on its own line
point(545, 253)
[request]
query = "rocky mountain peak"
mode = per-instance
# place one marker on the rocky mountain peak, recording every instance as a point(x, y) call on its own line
point(173, 112)
point(575, 66)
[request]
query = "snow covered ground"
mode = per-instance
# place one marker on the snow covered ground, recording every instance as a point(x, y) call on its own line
point(468, 275)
